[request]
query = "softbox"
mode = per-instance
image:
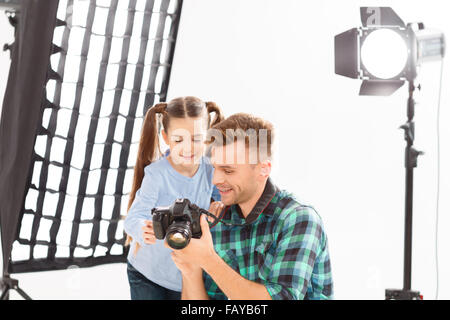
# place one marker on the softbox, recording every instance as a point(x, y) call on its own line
point(82, 76)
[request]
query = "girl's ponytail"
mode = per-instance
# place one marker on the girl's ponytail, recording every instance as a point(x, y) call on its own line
point(148, 150)
point(213, 107)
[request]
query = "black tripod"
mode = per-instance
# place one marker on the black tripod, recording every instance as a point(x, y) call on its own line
point(411, 156)
point(7, 284)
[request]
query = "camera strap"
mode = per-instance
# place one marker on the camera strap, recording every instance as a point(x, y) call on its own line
point(270, 190)
point(217, 220)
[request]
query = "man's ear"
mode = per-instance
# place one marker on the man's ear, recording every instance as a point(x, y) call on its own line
point(265, 168)
point(165, 137)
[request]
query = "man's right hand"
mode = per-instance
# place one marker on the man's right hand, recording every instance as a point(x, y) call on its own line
point(149, 234)
point(215, 208)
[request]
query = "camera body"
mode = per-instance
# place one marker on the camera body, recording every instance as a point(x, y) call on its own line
point(178, 223)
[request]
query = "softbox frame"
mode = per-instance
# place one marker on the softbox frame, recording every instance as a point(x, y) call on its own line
point(25, 102)
point(21, 112)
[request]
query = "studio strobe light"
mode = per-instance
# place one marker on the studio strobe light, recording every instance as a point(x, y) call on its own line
point(385, 53)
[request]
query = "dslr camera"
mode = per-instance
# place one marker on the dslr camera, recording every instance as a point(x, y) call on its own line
point(178, 223)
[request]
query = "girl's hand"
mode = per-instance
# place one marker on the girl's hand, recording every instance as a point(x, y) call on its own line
point(215, 208)
point(149, 234)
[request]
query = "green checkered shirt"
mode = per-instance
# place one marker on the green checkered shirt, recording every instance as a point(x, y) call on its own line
point(285, 248)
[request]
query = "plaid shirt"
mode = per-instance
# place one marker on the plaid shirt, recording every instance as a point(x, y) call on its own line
point(285, 248)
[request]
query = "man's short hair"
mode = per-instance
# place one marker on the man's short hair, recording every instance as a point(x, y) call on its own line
point(255, 131)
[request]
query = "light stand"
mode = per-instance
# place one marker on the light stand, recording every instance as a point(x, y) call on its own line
point(411, 155)
point(421, 45)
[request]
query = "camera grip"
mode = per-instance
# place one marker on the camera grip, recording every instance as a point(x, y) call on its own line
point(158, 227)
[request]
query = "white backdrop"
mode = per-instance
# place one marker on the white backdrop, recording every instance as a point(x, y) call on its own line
point(338, 151)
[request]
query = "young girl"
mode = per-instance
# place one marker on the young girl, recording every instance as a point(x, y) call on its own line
point(182, 172)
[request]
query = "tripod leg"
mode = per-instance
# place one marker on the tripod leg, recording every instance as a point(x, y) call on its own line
point(22, 293)
point(5, 293)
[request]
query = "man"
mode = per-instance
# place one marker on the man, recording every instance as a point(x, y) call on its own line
point(267, 245)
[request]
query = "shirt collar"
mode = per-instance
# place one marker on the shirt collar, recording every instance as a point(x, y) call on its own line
point(262, 205)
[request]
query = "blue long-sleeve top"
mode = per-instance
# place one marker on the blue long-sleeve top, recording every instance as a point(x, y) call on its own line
point(161, 186)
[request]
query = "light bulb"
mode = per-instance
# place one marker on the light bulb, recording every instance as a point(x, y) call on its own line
point(384, 53)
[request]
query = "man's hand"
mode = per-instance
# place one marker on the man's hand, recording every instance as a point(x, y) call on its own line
point(215, 208)
point(200, 254)
point(190, 261)
point(197, 253)
point(188, 269)
point(148, 233)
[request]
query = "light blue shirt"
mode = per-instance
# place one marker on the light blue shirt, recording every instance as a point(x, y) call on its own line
point(161, 186)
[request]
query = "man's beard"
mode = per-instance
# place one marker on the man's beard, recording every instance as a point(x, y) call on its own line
point(246, 194)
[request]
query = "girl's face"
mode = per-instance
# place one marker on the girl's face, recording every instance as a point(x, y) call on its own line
point(186, 137)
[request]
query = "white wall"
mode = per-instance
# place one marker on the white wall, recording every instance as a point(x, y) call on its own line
point(338, 151)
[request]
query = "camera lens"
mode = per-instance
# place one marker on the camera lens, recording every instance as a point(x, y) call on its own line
point(179, 234)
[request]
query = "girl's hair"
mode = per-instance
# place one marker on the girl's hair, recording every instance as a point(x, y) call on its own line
point(149, 149)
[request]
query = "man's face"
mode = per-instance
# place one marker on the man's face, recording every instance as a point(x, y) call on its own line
point(236, 178)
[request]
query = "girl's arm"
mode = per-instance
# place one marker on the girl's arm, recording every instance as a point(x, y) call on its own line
point(140, 211)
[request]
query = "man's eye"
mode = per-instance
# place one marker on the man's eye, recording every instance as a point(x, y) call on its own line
point(228, 171)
